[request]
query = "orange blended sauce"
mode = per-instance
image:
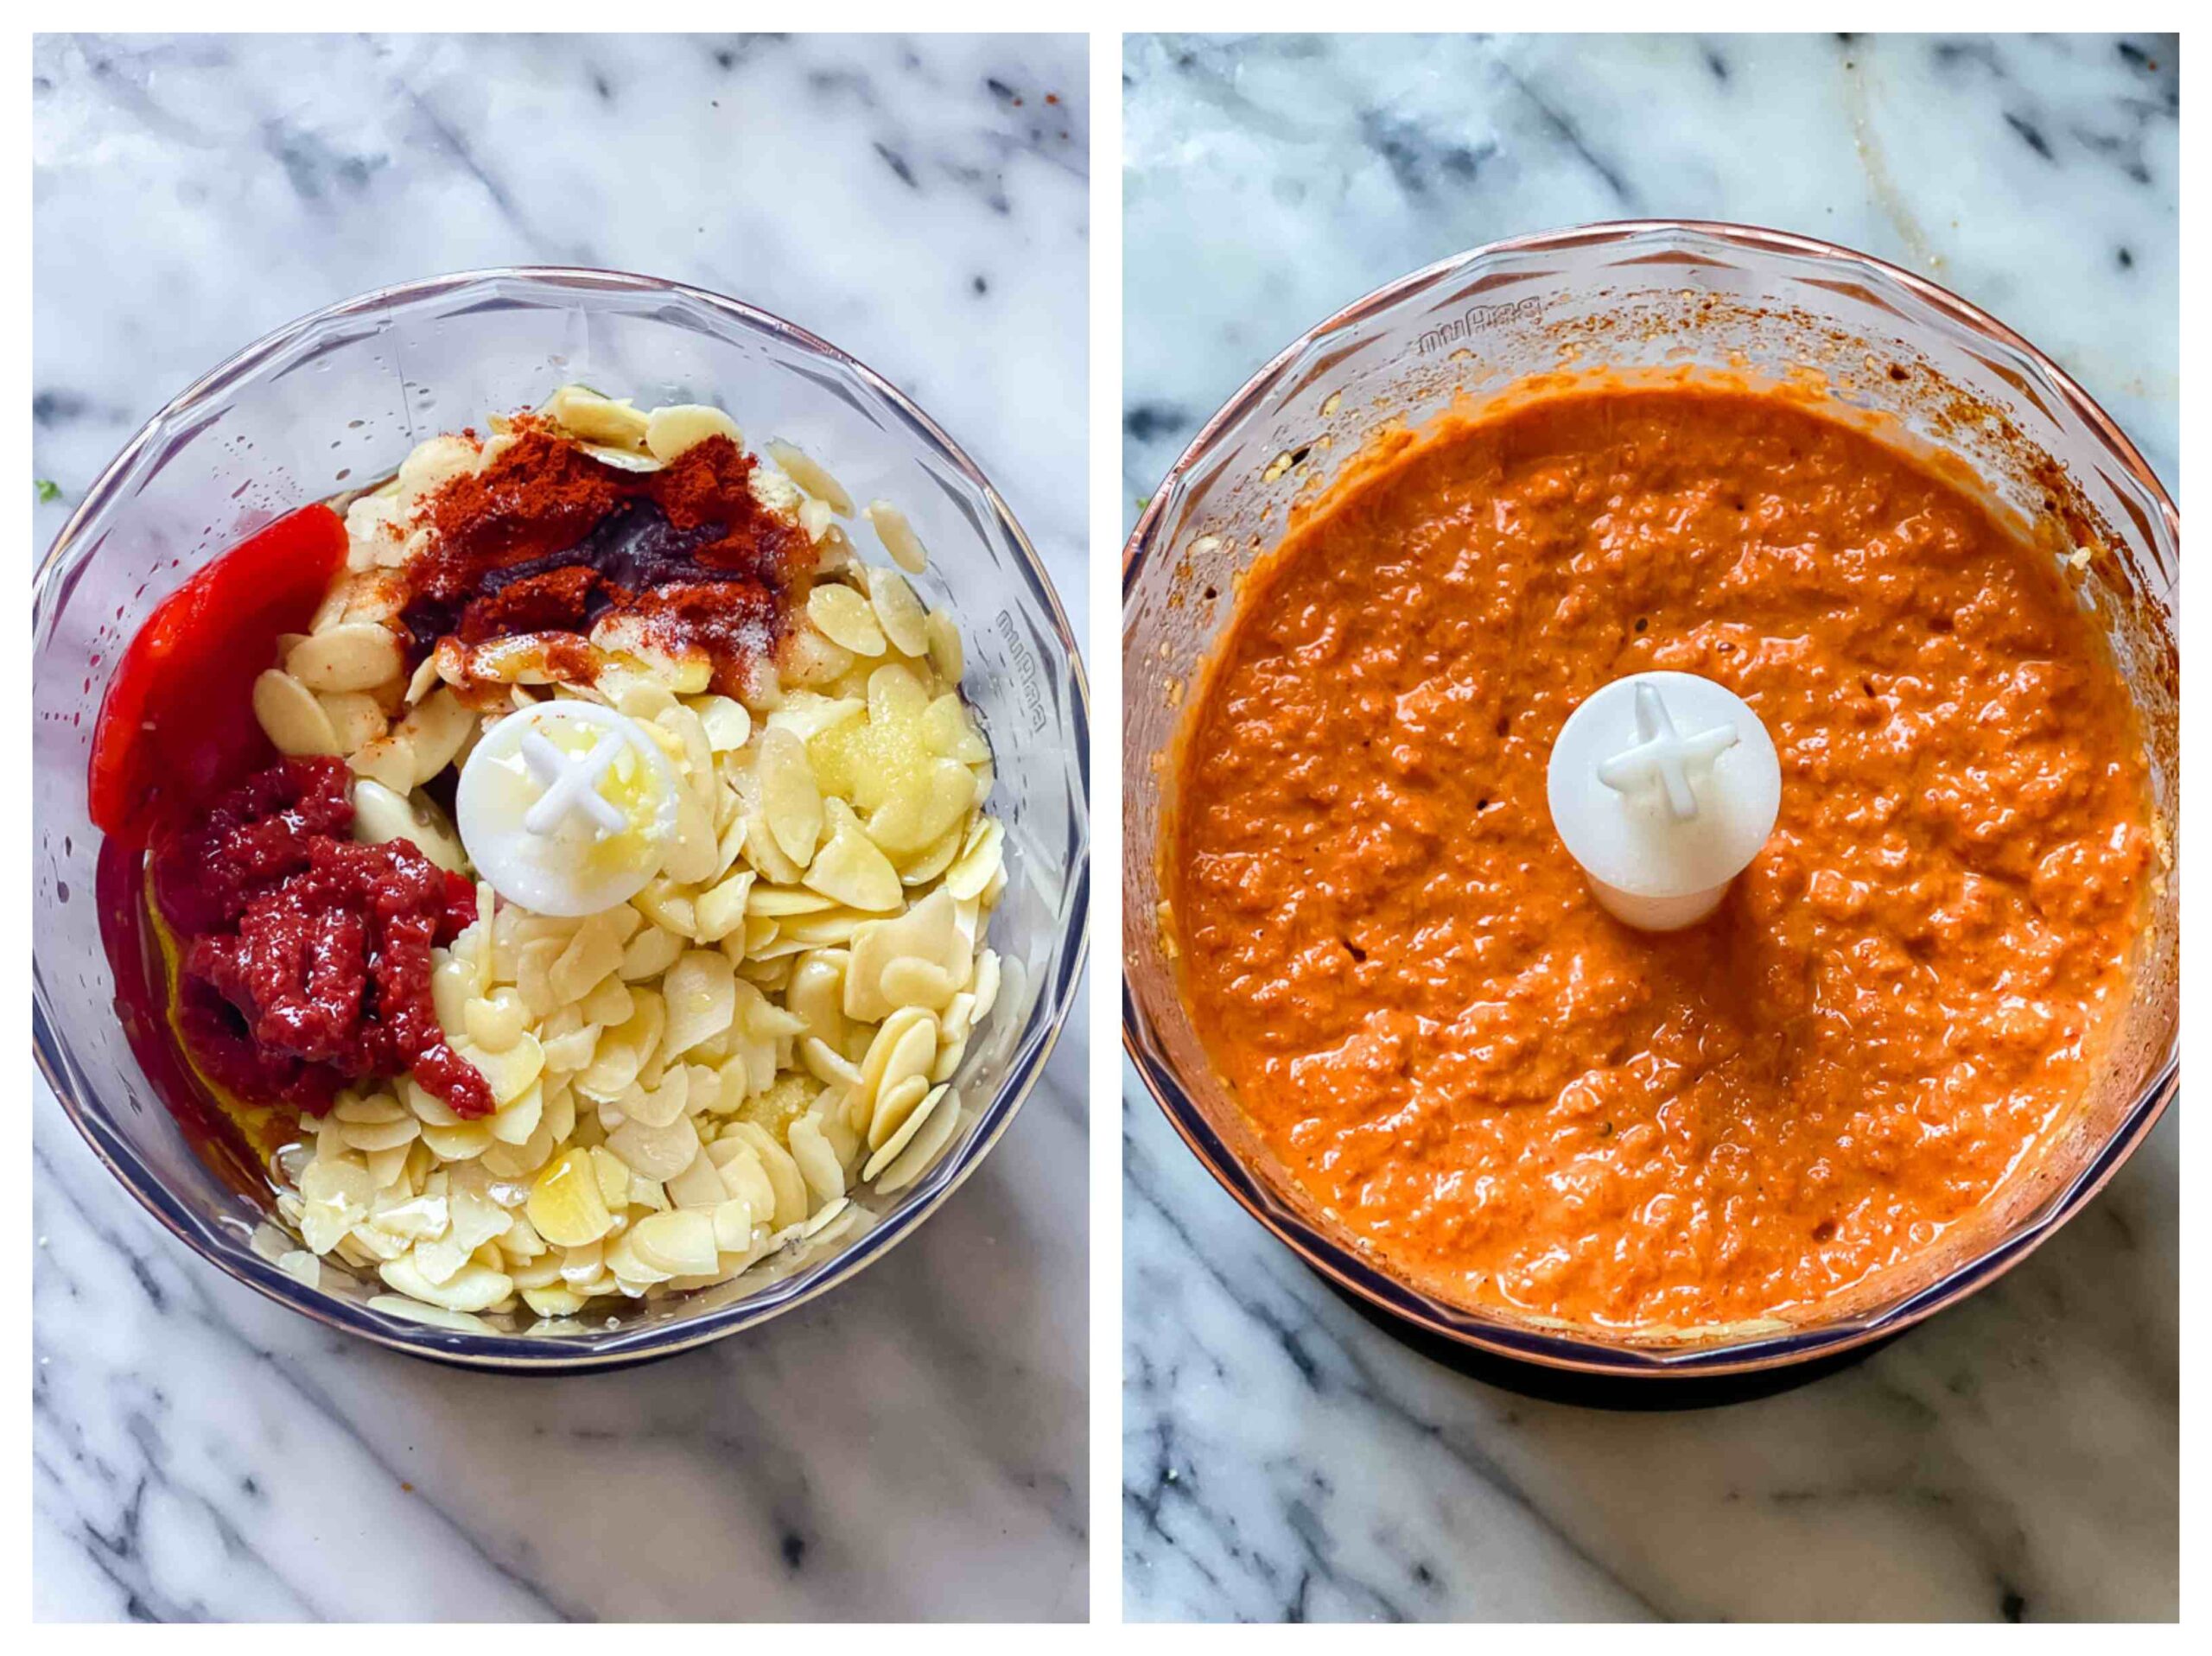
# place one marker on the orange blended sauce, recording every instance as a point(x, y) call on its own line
point(1514, 1098)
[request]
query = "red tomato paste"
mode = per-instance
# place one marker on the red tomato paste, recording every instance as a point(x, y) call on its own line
point(307, 959)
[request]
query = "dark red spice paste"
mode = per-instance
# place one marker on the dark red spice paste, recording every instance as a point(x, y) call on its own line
point(306, 957)
point(546, 540)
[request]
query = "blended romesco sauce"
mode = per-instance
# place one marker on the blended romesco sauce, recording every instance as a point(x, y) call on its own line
point(1515, 1100)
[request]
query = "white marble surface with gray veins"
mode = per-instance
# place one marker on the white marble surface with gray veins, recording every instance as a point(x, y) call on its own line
point(2016, 1457)
point(913, 1445)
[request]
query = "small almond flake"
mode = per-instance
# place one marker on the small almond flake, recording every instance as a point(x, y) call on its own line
point(897, 536)
point(811, 476)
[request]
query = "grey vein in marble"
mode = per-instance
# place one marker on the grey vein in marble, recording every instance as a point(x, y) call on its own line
point(1282, 1457)
point(913, 1445)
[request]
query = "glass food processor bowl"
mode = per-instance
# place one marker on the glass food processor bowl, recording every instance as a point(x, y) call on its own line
point(332, 403)
point(1643, 297)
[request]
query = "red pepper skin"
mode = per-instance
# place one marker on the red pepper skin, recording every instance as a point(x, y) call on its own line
point(176, 728)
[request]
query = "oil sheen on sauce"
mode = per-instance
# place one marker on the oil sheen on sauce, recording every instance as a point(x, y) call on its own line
point(1514, 1100)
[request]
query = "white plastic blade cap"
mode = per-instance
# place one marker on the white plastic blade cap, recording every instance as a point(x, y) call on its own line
point(567, 807)
point(1664, 787)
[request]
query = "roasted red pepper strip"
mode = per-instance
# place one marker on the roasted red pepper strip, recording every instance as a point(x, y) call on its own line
point(176, 728)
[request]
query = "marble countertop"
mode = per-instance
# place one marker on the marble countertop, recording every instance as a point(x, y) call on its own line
point(2016, 1457)
point(913, 1445)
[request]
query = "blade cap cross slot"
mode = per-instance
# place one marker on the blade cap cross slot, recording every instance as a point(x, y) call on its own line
point(567, 807)
point(1664, 787)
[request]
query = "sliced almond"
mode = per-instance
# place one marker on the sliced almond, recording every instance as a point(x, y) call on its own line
point(911, 981)
point(948, 1059)
point(461, 1142)
point(811, 476)
point(698, 1186)
point(332, 610)
point(926, 805)
point(595, 418)
point(911, 1051)
point(681, 1242)
point(567, 1203)
point(923, 1145)
point(472, 1288)
point(815, 993)
point(633, 1272)
point(733, 1218)
point(727, 725)
point(377, 1107)
point(783, 1177)
point(828, 1065)
point(552, 1303)
point(518, 1119)
point(435, 728)
point(979, 864)
point(382, 1135)
point(895, 1030)
point(929, 931)
point(816, 1161)
point(533, 970)
point(830, 928)
point(986, 985)
point(947, 653)
point(355, 718)
point(807, 715)
point(649, 954)
point(389, 759)
point(668, 907)
point(720, 911)
point(940, 855)
point(811, 659)
point(693, 851)
point(846, 619)
point(622, 460)
point(895, 696)
point(381, 816)
point(428, 467)
point(508, 1074)
point(900, 614)
point(353, 656)
point(655, 1152)
point(916, 1118)
point(850, 868)
point(701, 990)
point(897, 536)
point(682, 735)
point(624, 1050)
point(744, 1175)
point(290, 716)
point(949, 729)
point(788, 796)
point(592, 954)
point(613, 1177)
point(781, 903)
point(670, 430)
point(660, 1106)
point(610, 1002)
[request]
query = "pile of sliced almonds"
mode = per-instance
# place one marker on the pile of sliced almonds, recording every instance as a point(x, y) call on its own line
point(699, 1079)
